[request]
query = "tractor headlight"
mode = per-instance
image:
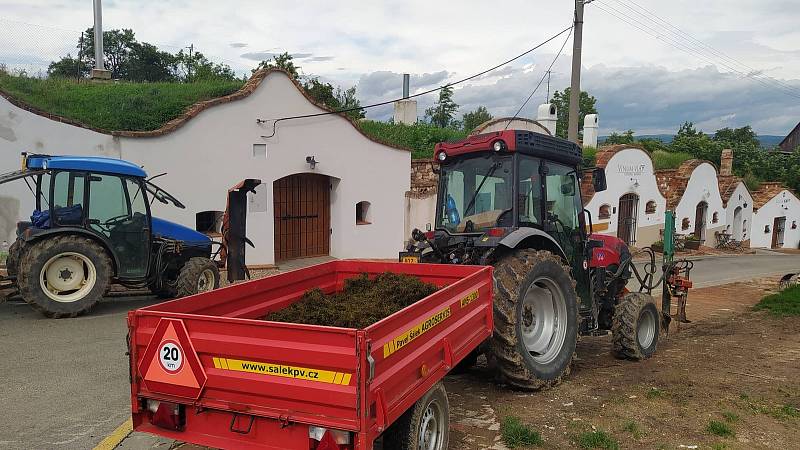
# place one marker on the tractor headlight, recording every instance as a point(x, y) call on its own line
point(498, 146)
point(442, 156)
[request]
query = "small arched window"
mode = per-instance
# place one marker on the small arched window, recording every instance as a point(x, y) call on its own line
point(363, 214)
point(685, 223)
point(715, 217)
point(650, 207)
point(605, 212)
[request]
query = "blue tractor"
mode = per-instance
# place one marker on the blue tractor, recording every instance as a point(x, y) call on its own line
point(91, 228)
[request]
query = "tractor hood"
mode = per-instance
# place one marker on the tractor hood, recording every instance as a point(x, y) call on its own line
point(171, 230)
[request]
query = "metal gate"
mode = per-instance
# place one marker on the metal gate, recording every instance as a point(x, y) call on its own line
point(302, 216)
point(626, 222)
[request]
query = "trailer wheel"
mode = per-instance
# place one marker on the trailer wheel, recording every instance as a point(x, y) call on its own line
point(535, 320)
point(196, 276)
point(63, 276)
point(12, 261)
point(636, 327)
point(425, 426)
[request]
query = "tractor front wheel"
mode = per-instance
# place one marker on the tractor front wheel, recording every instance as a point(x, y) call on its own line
point(636, 327)
point(196, 276)
point(535, 319)
point(63, 276)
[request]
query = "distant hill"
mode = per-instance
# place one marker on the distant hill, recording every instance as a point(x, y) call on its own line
point(767, 140)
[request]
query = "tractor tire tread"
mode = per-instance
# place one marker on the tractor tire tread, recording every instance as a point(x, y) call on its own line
point(509, 274)
point(189, 273)
point(625, 344)
point(28, 278)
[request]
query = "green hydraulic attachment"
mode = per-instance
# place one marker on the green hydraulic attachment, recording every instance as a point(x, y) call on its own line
point(676, 276)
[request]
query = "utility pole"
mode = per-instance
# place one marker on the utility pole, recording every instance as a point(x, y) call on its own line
point(547, 100)
point(99, 71)
point(575, 86)
point(191, 61)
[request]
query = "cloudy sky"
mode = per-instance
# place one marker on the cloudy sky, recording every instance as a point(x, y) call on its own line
point(738, 65)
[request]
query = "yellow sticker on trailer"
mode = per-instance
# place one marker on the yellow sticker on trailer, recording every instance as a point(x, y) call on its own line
point(469, 298)
point(404, 339)
point(280, 370)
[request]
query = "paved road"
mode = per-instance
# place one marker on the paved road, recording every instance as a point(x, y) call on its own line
point(713, 271)
point(64, 383)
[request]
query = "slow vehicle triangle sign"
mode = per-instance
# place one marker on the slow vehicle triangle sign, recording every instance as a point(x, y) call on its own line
point(170, 364)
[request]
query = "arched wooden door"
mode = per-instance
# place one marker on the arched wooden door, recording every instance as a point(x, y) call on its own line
point(302, 216)
point(626, 221)
point(700, 221)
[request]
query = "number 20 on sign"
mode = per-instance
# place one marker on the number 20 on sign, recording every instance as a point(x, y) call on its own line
point(170, 356)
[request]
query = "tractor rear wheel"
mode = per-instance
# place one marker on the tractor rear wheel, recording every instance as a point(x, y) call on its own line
point(196, 276)
point(535, 319)
point(636, 327)
point(12, 261)
point(63, 276)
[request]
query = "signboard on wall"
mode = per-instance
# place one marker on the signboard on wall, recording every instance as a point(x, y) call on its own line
point(631, 169)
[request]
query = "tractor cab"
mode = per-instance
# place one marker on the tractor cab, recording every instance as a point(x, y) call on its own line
point(499, 190)
point(102, 204)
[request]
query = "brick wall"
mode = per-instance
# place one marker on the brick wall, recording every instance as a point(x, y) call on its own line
point(423, 180)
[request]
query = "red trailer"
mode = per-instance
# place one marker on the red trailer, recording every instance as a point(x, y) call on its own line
point(205, 369)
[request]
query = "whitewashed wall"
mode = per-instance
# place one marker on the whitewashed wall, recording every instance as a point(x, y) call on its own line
point(214, 151)
point(630, 171)
point(784, 204)
point(702, 186)
point(739, 225)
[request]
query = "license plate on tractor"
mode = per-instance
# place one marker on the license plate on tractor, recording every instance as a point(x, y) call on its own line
point(409, 257)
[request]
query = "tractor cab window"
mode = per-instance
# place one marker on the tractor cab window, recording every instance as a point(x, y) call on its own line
point(476, 194)
point(529, 199)
point(67, 198)
point(563, 198)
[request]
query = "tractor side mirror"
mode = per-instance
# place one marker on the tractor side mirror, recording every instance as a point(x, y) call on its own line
point(599, 179)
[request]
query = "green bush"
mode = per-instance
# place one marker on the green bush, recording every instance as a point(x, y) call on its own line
point(113, 106)
point(669, 160)
point(420, 138)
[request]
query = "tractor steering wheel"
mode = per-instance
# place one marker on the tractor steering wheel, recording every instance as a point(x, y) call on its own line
point(116, 220)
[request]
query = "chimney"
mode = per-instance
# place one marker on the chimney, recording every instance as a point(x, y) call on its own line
point(405, 110)
point(590, 126)
point(726, 163)
point(548, 117)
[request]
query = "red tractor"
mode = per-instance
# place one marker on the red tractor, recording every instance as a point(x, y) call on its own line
point(512, 199)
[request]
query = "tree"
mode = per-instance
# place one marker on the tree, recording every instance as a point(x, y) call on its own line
point(624, 138)
point(68, 67)
point(696, 143)
point(737, 136)
point(283, 61)
point(472, 119)
point(196, 67)
point(347, 100)
point(146, 63)
point(561, 101)
point(441, 114)
point(117, 46)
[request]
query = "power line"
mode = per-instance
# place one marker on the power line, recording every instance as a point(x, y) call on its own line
point(545, 76)
point(682, 46)
point(710, 49)
point(419, 94)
